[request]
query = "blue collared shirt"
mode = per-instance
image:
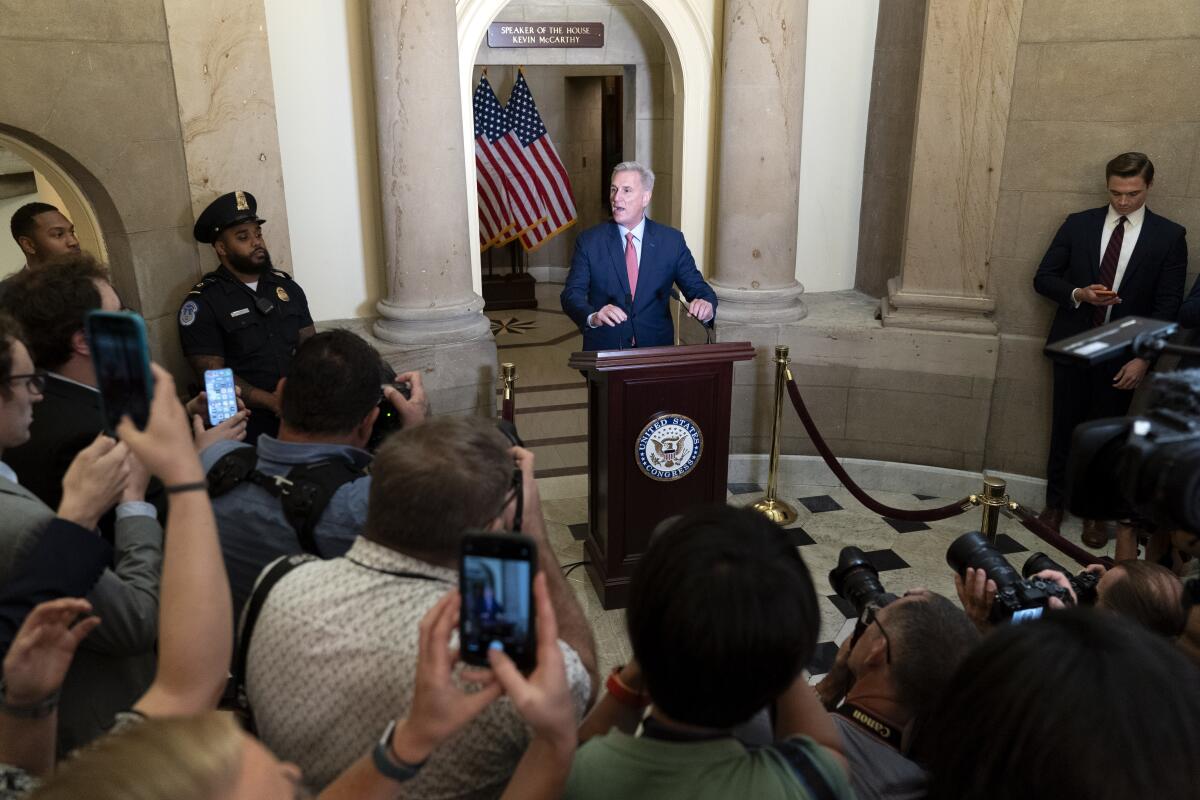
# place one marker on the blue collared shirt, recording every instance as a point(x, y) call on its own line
point(250, 521)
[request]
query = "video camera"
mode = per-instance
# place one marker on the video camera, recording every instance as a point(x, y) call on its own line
point(1017, 599)
point(1145, 467)
point(1084, 584)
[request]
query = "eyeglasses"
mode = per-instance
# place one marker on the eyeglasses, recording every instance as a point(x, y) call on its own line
point(871, 615)
point(34, 381)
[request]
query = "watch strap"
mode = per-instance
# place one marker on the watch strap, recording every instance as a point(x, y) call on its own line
point(38, 710)
point(387, 764)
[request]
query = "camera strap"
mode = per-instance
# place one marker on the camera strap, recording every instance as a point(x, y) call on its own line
point(884, 731)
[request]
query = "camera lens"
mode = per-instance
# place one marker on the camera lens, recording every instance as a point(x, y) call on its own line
point(856, 581)
point(974, 550)
point(1040, 561)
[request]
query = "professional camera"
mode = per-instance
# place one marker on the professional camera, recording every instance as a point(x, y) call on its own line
point(389, 420)
point(856, 581)
point(1084, 584)
point(1144, 467)
point(1016, 599)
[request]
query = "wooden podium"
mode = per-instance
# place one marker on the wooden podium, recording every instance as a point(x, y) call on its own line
point(658, 445)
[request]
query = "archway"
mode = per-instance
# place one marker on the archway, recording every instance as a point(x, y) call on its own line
point(687, 35)
point(83, 200)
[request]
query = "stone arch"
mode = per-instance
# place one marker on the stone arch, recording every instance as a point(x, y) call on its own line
point(87, 203)
point(689, 43)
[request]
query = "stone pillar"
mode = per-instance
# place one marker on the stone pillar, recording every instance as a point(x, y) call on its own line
point(427, 243)
point(962, 120)
point(758, 184)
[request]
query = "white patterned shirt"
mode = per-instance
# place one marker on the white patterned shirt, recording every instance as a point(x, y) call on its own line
point(332, 661)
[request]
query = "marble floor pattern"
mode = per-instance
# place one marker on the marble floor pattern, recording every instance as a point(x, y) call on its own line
point(551, 405)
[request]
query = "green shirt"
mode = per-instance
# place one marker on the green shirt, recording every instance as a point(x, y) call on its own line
point(627, 767)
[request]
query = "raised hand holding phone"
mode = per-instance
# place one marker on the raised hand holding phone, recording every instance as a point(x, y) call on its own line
point(121, 359)
point(496, 574)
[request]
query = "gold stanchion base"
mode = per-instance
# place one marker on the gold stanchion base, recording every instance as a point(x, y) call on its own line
point(775, 510)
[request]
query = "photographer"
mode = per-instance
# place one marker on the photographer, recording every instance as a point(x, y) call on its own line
point(1077, 704)
point(885, 680)
point(331, 400)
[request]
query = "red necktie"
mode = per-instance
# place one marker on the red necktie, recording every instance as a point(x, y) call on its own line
point(631, 265)
point(1108, 267)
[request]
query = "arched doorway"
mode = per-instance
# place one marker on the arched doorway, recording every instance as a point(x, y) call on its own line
point(687, 37)
point(35, 177)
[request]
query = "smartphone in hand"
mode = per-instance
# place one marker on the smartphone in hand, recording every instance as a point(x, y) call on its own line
point(496, 582)
point(222, 396)
point(121, 358)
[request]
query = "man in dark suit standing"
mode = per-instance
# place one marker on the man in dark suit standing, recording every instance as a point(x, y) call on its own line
point(1105, 263)
point(622, 272)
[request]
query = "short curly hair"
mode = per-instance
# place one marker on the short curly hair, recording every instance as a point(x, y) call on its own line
point(10, 332)
point(51, 302)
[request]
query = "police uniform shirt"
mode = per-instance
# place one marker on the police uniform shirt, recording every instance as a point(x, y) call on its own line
point(221, 316)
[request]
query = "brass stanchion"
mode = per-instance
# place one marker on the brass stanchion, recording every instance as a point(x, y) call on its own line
point(508, 402)
point(770, 506)
point(994, 501)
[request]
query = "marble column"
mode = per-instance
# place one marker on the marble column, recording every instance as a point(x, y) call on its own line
point(430, 300)
point(758, 183)
point(962, 120)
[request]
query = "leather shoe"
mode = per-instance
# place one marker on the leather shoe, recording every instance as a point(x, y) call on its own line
point(1095, 534)
point(1051, 518)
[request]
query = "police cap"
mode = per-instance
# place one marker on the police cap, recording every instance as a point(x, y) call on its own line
point(224, 212)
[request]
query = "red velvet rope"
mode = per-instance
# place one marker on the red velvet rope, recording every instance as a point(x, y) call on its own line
point(1024, 515)
point(923, 515)
point(1047, 534)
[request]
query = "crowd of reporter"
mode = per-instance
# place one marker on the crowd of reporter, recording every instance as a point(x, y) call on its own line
point(122, 582)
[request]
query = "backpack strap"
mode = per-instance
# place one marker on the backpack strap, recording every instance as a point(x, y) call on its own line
point(270, 576)
point(312, 487)
point(231, 469)
point(304, 493)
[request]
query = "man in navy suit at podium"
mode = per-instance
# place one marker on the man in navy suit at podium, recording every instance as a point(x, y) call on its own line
point(622, 272)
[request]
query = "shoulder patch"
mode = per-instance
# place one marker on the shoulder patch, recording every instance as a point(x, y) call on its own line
point(187, 313)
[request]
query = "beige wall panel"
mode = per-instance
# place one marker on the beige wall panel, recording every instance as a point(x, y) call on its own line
point(1099, 20)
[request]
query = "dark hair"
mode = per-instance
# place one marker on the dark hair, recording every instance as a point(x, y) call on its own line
point(1079, 703)
point(22, 223)
point(51, 302)
point(332, 384)
point(1131, 165)
point(722, 616)
point(10, 333)
point(929, 639)
point(433, 482)
point(1147, 593)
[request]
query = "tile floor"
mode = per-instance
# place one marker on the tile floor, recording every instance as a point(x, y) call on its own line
point(552, 418)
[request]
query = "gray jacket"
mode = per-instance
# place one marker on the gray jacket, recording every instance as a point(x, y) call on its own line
point(115, 663)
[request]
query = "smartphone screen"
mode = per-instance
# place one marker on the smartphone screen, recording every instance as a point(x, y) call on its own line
point(121, 357)
point(496, 582)
point(222, 397)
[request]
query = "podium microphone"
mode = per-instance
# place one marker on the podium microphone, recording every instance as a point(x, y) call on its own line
point(683, 301)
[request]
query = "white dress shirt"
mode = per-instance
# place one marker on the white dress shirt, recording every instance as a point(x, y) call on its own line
point(637, 231)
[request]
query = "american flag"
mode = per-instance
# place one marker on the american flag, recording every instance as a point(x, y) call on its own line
point(509, 201)
point(542, 163)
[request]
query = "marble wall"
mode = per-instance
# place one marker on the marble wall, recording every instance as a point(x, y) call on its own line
point(1092, 80)
point(89, 86)
point(222, 71)
point(891, 123)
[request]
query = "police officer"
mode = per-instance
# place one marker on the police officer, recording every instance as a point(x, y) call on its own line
point(245, 314)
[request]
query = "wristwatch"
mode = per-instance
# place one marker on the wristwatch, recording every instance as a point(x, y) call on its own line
point(38, 710)
point(387, 764)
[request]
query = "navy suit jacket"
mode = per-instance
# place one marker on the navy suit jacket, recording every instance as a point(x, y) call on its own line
point(1152, 285)
point(598, 278)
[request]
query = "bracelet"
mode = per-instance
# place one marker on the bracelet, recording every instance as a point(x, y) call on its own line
point(387, 764)
point(622, 693)
point(197, 486)
point(39, 710)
